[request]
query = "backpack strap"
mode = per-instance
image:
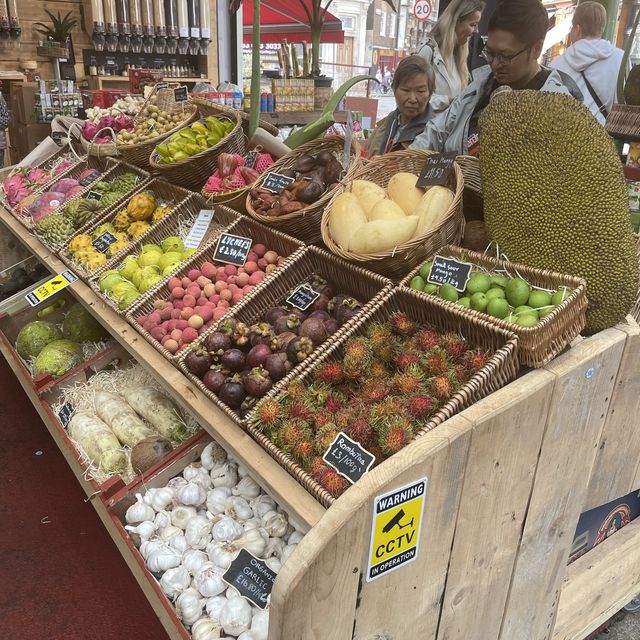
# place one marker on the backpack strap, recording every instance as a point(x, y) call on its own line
point(594, 95)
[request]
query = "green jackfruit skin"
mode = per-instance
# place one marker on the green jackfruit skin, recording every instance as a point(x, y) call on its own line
point(555, 197)
point(632, 86)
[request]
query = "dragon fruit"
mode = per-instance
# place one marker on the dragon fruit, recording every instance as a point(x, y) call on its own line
point(38, 176)
point(73, 192)
point(123, 122)
point(15, 189)
point(65, 184)
point(63, 166)
point(44, 204)
point(107, 121)
point(89, 130)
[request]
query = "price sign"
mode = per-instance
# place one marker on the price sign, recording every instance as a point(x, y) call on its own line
point(232, 249)
point(161, 85)
point(47, 289)
point(437, 170)
point(450, 271)
point(89, 178)
point(303, 297)
point(94, 195)
point(251, 577)
point(66, 413)
point(276, 182)
point(199, 229)
point(103, 242)
point(422, 9)
point(180, 94)
point(348, 457)
point(57, 137)
point(250, 159)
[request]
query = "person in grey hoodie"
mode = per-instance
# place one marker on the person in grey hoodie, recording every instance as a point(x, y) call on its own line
point(592, 62)
point(516, 33)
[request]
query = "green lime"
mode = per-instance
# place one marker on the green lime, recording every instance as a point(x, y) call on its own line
point(545, 311)
point(495, 292)
point(498, 308)
point(517, 291)
point(525, 309)
point(431, 288)
point(539, 298)
point(499, 280)
point(448, 292)
point(478, 283)
point(527, 320)
point(424, 270)
point(560, 295)
point(465, 302)
point(479, 301)
point(417, 283)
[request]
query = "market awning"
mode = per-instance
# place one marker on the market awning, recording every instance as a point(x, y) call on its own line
point(287, 20)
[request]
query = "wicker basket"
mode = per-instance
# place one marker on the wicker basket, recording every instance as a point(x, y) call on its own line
point(500, 369)
point(162, 189)
point(636, 308)
point(470, 166)
point(210, 108)
point(106, 150)
point(193, 172)
point(396, 263)
point(359, 283)
point(623, 122)
point(305, 224)
point(283, 244)
point(177, 223)
point(540, 344)
point(236, 199)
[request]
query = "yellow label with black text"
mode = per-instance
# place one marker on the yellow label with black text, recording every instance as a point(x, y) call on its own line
point(46, 290)
point(395, 530)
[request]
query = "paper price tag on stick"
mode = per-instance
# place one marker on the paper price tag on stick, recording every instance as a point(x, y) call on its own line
point(199, 229)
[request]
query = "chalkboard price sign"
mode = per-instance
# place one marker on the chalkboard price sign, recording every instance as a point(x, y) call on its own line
point(180, 94)
point(57, 137)
point(436, 170)
point(103, 242)
point(276, 182)
point(303, 297)
point(66, 413)
point(251, 577)
point(232, 249)
point(348, 457)
point(450, 271)
point(94, 195)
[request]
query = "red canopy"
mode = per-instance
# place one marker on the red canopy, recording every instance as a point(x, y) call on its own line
point(287, 20)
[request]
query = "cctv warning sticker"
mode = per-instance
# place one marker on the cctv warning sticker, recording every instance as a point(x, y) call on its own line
point(395, 530)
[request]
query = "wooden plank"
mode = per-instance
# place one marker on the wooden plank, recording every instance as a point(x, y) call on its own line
point(507, 433)
point(615, 475)
point(599, 584)
point(584, 382)
point(316, 594)
point(304, 510)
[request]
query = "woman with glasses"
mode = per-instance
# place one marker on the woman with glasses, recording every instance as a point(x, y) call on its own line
point(448, 49)
point(516, 33)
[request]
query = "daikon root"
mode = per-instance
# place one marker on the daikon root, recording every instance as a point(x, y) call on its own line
point(158, 410)
point(98, 441)
point(122, 419)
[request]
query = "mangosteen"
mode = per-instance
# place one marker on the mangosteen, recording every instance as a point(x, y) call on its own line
point(227, 326)
point(321, 304)
point(261, 333)
point(258, 354)
point(313, 328)
point(280, 342)
point(327, 290)
point(233, 360)
point(335, 303)
point(241, 334)
point(299, 349)
point(216, 344)
point(302, 315)
point(232, 393)
point(290, 323)
point(274, 313)
point(319, 315)
point(257, 382)
point(198, 361)
point(324, 158)
point(331, 326)
point(347, 310)
point(277, 365)
point(214, 379)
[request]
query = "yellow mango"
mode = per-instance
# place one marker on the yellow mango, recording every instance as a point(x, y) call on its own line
point(386, 210)
point(432, 209)
point(383, 235)
point(368, 193)
point(403, 191)
point(345, 218)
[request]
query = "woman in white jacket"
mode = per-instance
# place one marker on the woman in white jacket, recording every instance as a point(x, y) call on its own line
point(592, 62)
point(448, 49)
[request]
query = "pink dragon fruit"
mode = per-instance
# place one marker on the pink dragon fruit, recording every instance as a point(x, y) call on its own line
point(15, 189)
point(89, 130)
point(73, 192)
point(63, 166)
point(64, 185)
point(38, 176)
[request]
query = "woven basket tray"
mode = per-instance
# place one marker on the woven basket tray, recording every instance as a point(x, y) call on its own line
point(470, 166)
point(500, 369)
point(163, 190)
point(540, 344)
point(397, 263)
point(623, 122)
point(283, 244)
point(354, 281)
point(305, 224)
point(236, 200)
point(210, 108)
point(177, 223)
point(636, 308)
point(105, 150)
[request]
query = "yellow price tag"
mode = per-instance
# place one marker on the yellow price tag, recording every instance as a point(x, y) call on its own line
point(395, 529)
point(47, 289)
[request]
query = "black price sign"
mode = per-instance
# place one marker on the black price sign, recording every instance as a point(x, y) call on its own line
point(162, 85)
point(94, 195)
point(232, 249)
point(276, 182)
point(437, 170)
point(88, 179)
point(303, 297)
point(66, 413)
point(57, 136)
point(103, 242)
point(348, 457)
point(180, 94)
point(450, 271)
point(251, 577)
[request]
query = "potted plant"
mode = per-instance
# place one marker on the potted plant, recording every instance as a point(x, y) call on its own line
point(58, 33)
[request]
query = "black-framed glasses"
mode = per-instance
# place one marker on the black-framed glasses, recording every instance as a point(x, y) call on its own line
point(500, 58)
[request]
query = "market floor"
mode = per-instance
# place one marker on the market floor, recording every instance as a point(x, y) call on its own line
point(62, 576)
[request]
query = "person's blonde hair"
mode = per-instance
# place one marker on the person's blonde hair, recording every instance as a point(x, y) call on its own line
point(591, 17)
point(444, 34)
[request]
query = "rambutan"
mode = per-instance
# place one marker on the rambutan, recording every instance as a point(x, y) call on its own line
point(435, 363)
point(322, 418)
point(302, 452)
point(401, 325)
point(405, 360)
point(426, 338)
point(408, 381)
point(333, 482)
point(267, 414)
point(343, 419)
point(334, 403)
point(454, 345)
point(381, 412)
point(441, 387)
point(330, 372)
point(354, 369)
point(301, 411)
point(317, 468)
point(421, 406)
point(317, 394)
point(359, 349)
point(460, 373)
point(375, 391)
point(378, 333)
point(378, 371)
point(475, 360)
point(324, 437)
point(293, 432)
point(395, 435)
point(361, 430)
point(296, 391)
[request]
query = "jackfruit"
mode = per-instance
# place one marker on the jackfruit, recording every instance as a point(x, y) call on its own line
point(632, 86)
point(555, 197)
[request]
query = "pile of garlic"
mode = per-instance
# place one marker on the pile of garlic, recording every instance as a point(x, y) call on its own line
point(190, 531)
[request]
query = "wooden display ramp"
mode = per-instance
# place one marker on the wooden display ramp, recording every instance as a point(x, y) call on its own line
point(507, 481)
